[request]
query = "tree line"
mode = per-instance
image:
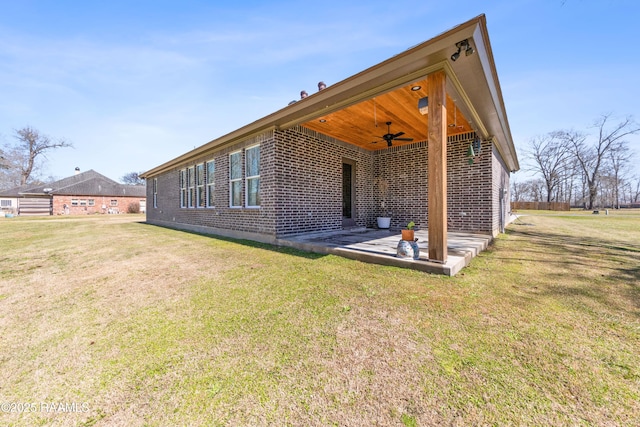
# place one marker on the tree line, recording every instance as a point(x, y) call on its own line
point(585, 170)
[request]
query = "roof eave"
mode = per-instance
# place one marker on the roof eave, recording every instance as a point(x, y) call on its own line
point(404, 68)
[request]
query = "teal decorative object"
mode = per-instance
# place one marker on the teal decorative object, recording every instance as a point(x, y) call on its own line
point(416, 249)
point(405, 249)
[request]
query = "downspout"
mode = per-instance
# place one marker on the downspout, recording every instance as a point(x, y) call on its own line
point(503, 192)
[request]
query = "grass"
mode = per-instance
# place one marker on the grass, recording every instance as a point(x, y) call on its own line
point(145, 326)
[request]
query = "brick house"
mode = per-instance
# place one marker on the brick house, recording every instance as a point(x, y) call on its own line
point(83, 193)
point(428, 124)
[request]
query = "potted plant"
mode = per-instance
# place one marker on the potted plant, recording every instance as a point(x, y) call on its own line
point(384, 220)
point(408, 233)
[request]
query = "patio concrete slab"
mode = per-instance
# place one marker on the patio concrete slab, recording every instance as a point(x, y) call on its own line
point(380, 247)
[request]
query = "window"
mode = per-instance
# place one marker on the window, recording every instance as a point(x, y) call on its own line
point(92, 202)
point(191, 180)
point(83, 202)
point(252, 156)
point(235, 179)
point(114, 202)
point(74, 202)
point(155, 192)
point(211, 183)
point(5, 203)
point(183, 188)
point(200, 185)
point(196, 185)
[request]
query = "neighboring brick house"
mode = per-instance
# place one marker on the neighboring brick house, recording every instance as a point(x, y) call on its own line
point(83, 193)
point(429, 122)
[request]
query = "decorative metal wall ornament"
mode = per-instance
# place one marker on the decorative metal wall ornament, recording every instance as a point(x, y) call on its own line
point(470, 154)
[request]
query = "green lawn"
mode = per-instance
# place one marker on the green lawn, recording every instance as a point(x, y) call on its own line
point(105, 320)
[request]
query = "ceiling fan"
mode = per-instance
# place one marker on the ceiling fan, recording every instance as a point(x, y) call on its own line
point(390, 137)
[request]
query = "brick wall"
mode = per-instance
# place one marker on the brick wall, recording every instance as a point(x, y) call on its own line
point(501, 192)
point(469, 195)
point(301, 187)
point(121, 204)
point(404, 169)
point(309, 182)
point(258, 221)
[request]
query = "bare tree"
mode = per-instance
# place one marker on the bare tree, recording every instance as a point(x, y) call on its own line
point(619, 160)
point(518, 191)
point(132, 178)
point(31, 147)
point(635, 192)
point(550, 154)
point(591, 158)
point(537, 189)
point(3, 160)
point(10, 171)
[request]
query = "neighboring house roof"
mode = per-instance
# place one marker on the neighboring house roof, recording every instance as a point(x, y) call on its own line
point(89, 183)
point(14, 192)
point(472, 89)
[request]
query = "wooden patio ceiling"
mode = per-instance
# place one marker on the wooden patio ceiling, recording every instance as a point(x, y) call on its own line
point(363, 123)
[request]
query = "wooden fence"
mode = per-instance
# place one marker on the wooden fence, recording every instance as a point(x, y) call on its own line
point(541, 206)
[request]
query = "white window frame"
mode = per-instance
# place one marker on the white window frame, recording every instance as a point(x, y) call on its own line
point(251, 178)
point(182, 178)
point(191, 189)
point(236, 179)
point(201, 200)
point(210, 183)
point(155, 192)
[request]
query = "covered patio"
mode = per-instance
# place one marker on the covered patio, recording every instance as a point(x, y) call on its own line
point(444, 94)
point(380, 247)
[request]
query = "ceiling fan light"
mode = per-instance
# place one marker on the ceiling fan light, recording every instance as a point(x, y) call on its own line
point(423, 105)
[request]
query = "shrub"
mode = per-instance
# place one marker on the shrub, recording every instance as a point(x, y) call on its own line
point(134, 207)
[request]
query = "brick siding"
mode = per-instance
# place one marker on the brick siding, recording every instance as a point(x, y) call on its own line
point(404, 169)
point(309, 182)
point(121, 205)
point(469, 197)
point(301, 187)
point(221, 216)
point(501, 192)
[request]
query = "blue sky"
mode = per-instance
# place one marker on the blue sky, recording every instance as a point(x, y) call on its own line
point(133, 84)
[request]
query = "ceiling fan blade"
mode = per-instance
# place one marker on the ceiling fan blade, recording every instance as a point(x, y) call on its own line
point(390, 137)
